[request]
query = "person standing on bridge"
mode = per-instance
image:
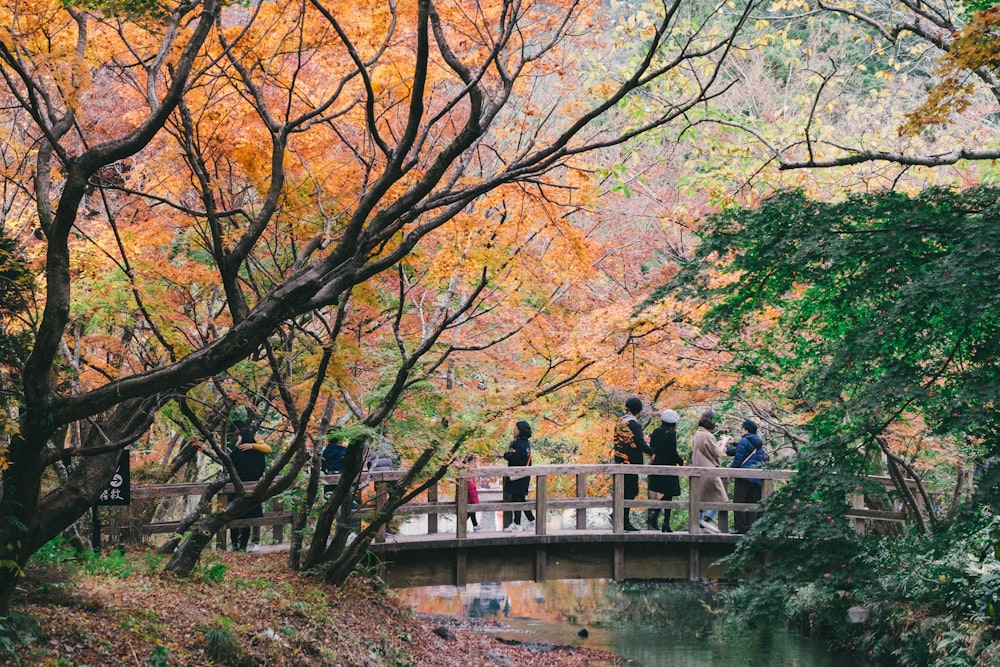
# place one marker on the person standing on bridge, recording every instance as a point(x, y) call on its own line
point(249, 459)
point(663, 441)
point(630, 445)
point(473, 493)
point(516, 490)
point(707, 453)
point(749, 452)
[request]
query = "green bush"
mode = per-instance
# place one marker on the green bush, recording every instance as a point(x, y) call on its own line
point(17, 630)
point(221, 645)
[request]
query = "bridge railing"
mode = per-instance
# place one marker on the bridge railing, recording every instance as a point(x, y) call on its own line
point(591, 483)
point(598, 487)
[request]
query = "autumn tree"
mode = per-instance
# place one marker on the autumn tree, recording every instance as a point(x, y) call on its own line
point(240, 168)
point(930, 70)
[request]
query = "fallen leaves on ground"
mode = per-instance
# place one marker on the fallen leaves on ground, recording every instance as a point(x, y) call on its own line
point(276, 616)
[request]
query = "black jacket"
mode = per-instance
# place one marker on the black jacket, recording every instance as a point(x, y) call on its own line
point(519, 454)
point(250, 464)
point(630, 442)
point(663, 441)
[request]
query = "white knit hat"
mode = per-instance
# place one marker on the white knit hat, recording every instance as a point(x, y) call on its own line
point(669, 417)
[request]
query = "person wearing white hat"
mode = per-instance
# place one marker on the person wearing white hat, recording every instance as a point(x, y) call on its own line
point(663, 441)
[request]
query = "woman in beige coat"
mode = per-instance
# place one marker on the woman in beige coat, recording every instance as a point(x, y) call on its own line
point(707, 453)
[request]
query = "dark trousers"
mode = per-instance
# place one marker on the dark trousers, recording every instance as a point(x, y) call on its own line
point(745, 492)
point(517, 513)
point(631, 490)
point(240, 537)
point(631, 486)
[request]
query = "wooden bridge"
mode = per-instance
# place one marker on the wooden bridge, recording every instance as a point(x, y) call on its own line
point(579, 531)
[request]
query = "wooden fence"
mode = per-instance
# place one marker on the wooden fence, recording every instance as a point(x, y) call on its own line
point(588, 486)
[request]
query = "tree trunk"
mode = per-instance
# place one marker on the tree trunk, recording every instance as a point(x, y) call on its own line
point(186, 557)
point(204, 505)
point(301, 517)
point(339, 504)
point(18, 504)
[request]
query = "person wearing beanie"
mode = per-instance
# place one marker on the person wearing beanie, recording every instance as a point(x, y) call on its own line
point(706, 452)
point(663, 442)
point(515, 489)
point(629, 445)
point(749, 452)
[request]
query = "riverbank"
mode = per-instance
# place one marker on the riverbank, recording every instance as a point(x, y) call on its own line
point(240, 609)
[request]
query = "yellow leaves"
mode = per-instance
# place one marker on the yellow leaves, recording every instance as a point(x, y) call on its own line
point(974, 47)
point(788, 6)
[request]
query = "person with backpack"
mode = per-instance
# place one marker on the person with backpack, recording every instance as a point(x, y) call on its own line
point(332, 461)
point(749, 452)
point(630, 445)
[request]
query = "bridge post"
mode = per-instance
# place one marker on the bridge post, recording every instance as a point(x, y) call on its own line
point(618, 504)
point(581, 492)
point(858, 502)
point(541, 503)
point(461, 567)
point(461, 508)
point(432, 517)
point(694, 504)
point(278, 531)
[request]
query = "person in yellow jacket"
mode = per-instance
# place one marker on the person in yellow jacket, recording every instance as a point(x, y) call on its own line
point(249, 459)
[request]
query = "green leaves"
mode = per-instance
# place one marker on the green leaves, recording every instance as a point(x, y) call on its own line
point(881, 303)
point(883, 312)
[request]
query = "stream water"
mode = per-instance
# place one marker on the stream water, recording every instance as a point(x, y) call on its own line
point(648, 623)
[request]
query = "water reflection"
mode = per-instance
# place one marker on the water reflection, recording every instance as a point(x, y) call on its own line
point(649, 623)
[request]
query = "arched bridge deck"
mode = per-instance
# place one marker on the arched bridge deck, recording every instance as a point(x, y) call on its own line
point(566, 494)
point(580, 532)
point(589, 554)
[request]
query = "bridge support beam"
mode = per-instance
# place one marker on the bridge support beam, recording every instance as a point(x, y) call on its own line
point(461, 567)
point(694, 563)
point(545, 558)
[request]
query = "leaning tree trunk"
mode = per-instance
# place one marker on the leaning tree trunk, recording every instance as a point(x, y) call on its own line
point(301, 517)
point(204, 505)
point(896, 467)
point(339, 504)
point(184, 559)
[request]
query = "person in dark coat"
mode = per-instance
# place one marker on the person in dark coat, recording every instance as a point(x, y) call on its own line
point(663, 442)
point(250, 460)
point(333, 457)
point(516, 490)
point(630, 445)
point(332, 461)
point(749, 452)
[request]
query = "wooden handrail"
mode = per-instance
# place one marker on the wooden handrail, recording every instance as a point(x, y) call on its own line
point(543, 503)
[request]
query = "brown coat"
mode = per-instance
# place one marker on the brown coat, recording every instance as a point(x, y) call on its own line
point(707, 453)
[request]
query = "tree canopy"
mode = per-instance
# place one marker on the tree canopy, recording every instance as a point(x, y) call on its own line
point(302, 213)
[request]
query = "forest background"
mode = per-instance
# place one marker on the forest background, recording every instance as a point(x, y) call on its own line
point(410, 227)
